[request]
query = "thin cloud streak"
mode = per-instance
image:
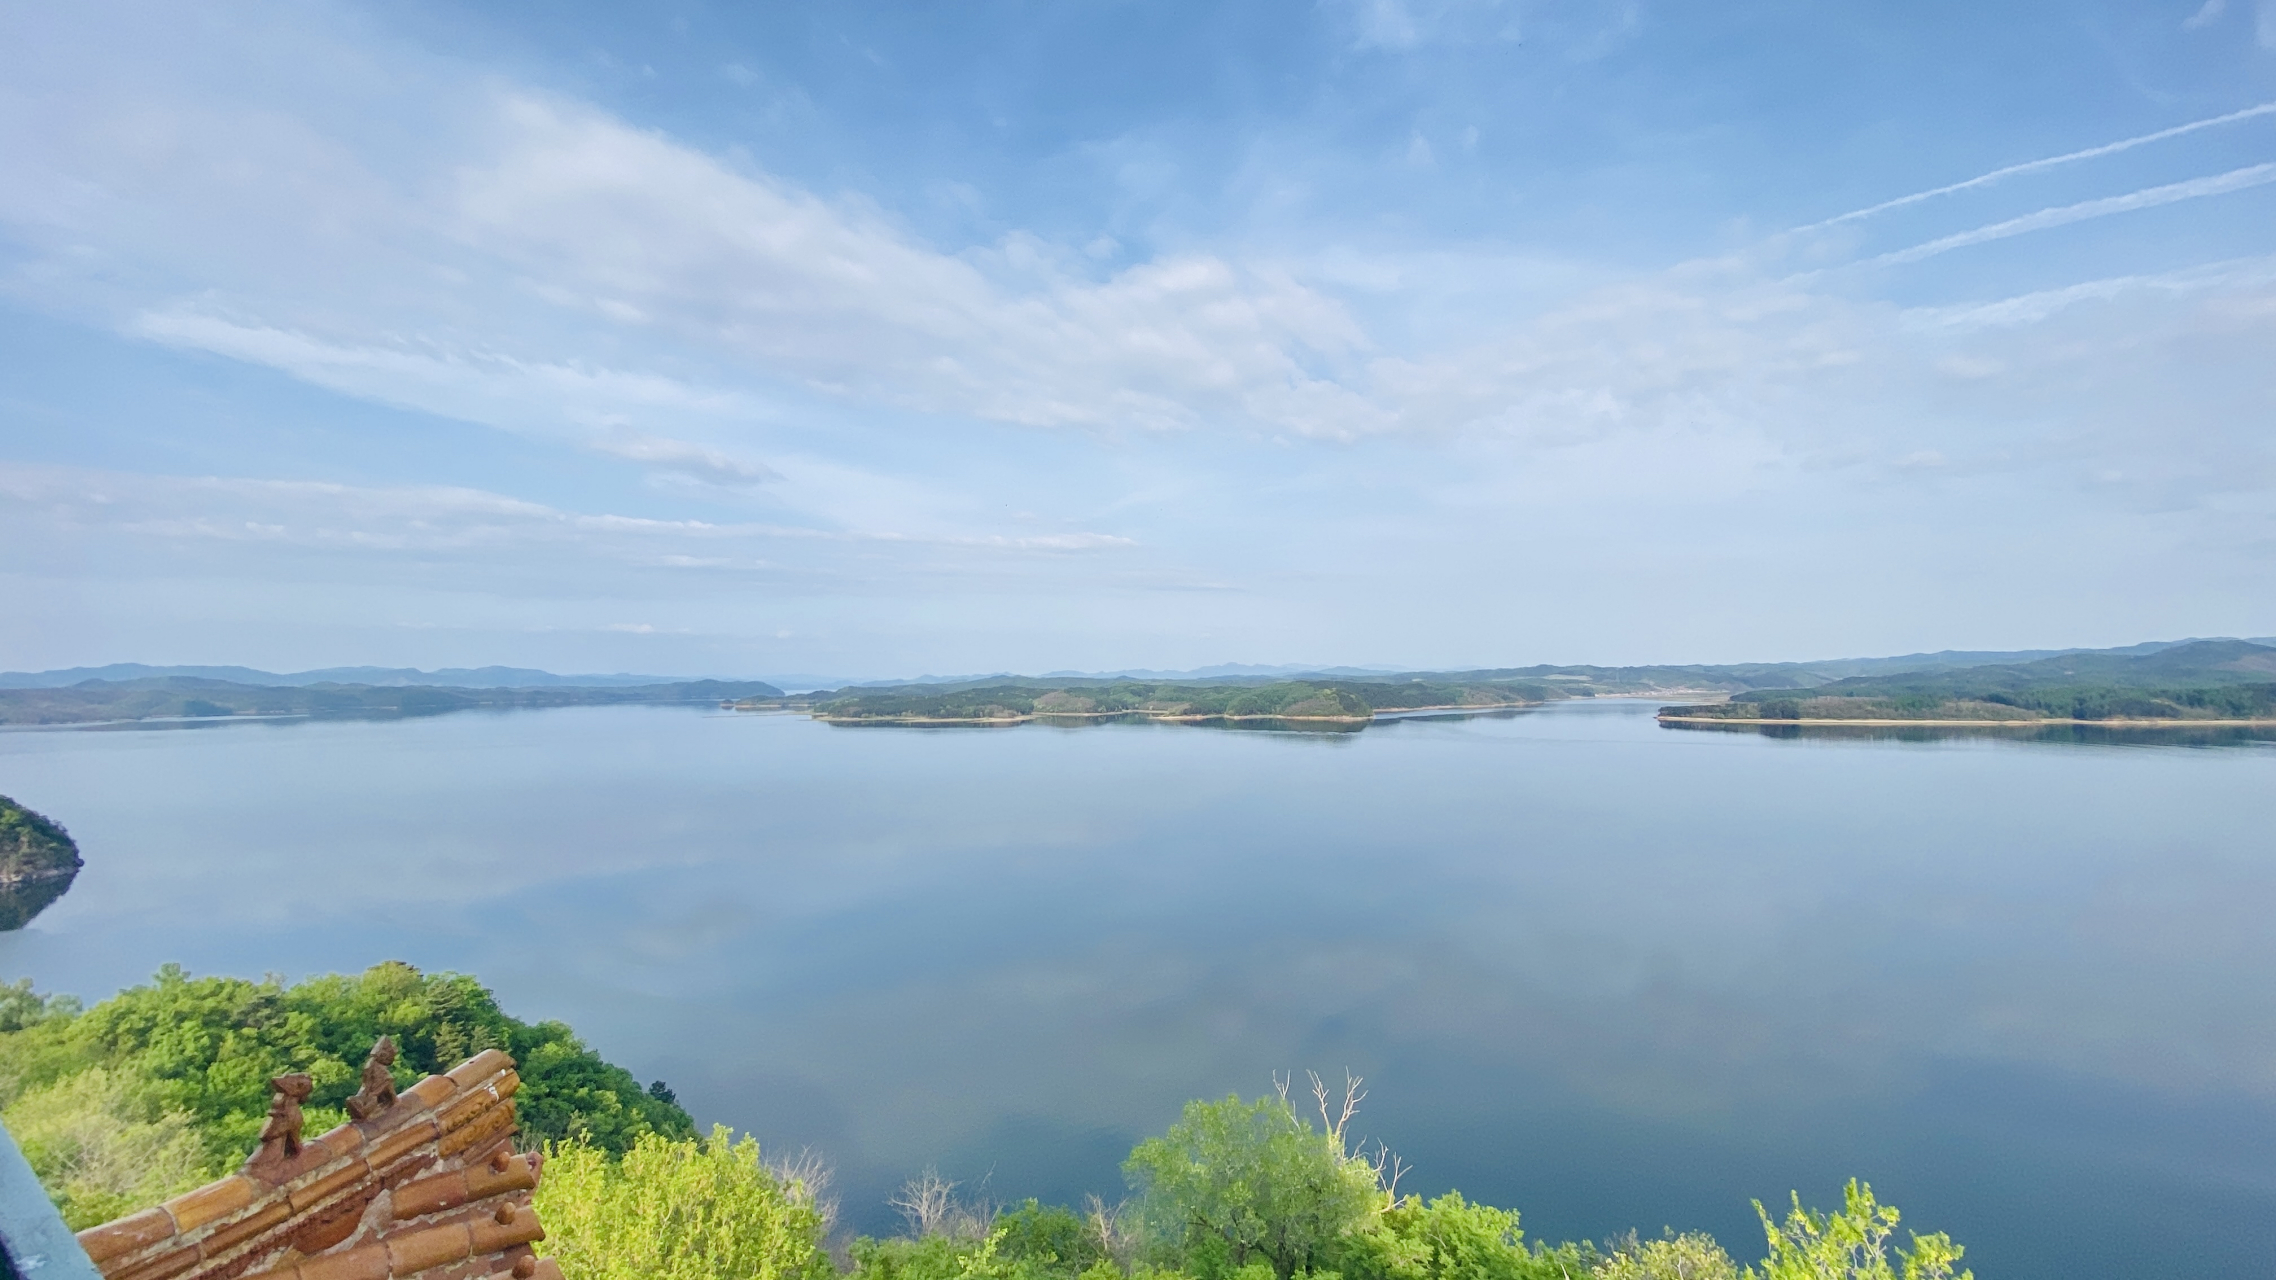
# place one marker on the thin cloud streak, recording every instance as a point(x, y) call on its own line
point(2063, 215)
point(2034, 166)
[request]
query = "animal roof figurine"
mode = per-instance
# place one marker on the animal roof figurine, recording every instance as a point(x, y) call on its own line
point(378, 1092)
point(428, 1188)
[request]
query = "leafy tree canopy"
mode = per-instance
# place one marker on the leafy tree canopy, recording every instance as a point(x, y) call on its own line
point(194, 1055)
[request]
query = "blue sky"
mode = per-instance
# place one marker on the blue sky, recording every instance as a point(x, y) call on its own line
point(871, 340)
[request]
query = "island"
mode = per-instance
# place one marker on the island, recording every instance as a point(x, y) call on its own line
point(195, 698)
point(38, 861)
point(2206, 682)
point(1294, 702)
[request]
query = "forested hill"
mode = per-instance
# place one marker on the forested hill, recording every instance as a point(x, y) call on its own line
point(2201, 680)
point(180, 696)
point(1327, 700)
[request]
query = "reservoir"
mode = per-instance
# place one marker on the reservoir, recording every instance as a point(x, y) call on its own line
point(1610, 974)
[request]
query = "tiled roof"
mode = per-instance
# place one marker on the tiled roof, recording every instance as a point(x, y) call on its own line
point(428, 1187)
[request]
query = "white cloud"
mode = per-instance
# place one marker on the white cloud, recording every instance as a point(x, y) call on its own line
point(426, 520)
point(2212, 8)
point(2206, 15)
point(2063, 215)
point(709, 466)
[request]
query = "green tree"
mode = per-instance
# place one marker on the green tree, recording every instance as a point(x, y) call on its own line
point(103, 1148)
point(678, 1209)
point(1693, 1255)
point(1852, 1243)
point(207, 1047)
point(1234, 1183)
point(1452, 1239)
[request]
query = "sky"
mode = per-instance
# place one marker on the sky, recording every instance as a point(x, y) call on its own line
point(868, 340)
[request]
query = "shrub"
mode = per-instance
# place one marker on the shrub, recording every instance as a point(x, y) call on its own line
point(678, 1209)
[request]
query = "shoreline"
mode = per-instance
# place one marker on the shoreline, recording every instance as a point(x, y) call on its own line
point(1982, 724)
point(1161, 716)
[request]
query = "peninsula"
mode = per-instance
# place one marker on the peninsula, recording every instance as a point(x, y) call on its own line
point(197, 698)
point(38, 861)
point(2205, 682)
point(1343, 702)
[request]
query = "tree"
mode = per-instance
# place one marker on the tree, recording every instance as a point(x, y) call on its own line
point(1852, 1244)
point(1452, 1239)
point(206, 1048)
point(102, 1148)
point(1693, 1255)
point(678, 1209)
point(1236, 1182)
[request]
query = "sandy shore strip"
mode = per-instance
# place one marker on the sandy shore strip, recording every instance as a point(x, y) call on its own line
point(1982, 724)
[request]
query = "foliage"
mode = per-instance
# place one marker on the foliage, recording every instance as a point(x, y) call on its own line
point(1234, 1182)
point(205, 1048)
point(103, 1147)
point(1288, 699)
point(1693, 1255)
point(678, 1209)
point(1852, 1243)
point(196, 696)
point(2203, 680)
point(1049, 1239)
point(32, 844)
point(1452, 1239)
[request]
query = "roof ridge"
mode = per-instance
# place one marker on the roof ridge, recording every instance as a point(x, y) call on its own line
point(427, 1184)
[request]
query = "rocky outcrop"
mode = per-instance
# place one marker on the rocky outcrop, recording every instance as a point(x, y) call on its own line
point(37, 863)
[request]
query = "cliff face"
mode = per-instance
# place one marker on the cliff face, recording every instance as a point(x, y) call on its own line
point(37, 863)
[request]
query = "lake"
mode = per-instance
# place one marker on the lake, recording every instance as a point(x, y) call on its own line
point(1611, 974)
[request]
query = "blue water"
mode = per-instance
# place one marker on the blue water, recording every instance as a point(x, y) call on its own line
point(1611, 974)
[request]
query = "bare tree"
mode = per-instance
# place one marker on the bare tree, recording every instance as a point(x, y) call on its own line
point(809, 1174)
point(1349, 1106)
point(927, 1201)
point(1116, 1228)
point(1336, 1113)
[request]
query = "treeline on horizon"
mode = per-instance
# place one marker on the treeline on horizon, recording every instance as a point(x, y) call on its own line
point(163, 1087)
point(1287, 699)
point(2205, 680)
point(193, 697)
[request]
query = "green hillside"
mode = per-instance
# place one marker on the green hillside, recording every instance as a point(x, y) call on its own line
point(2201, 680)
point(1335, 700)
point(186, 696)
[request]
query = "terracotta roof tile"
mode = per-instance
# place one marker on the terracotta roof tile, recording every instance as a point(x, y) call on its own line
point(367, 1262)
point(412, 1251)
point(431, 1091)
point(194, 1209)
point(486, 1063)
point(443, 1149)
point(311, 1192)
point(230, 1235)
point(402, 1142)
point(506, 1228)
point(137, 1231)
point(164, 1263)
point(492, 1125)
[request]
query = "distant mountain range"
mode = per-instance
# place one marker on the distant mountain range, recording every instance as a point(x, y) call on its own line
point(377, 677)
point(1642, 679)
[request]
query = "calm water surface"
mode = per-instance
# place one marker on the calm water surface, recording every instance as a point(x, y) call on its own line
point(1614, 975)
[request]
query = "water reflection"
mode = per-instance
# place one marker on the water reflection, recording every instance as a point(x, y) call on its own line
point(1614, 976)
point(2095, 735)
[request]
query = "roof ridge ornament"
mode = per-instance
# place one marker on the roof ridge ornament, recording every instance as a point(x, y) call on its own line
point(280, 1135)
point(378, 1091)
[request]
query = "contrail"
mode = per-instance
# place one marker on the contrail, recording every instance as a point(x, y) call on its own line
point(2147, 198)
point(2032, 166)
